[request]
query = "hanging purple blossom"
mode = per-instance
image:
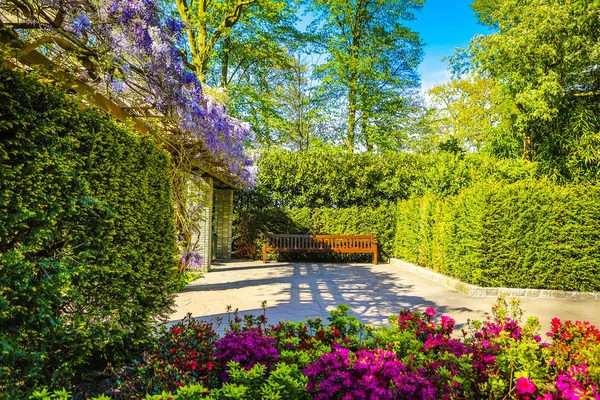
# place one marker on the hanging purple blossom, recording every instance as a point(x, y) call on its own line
point(140, 45)
point(81, 23)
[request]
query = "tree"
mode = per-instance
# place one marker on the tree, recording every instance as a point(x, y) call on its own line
point(260, 41)
point(249, 56)
point(207, 22)
point(371, 59)
point(255, 62)
point(473, 113)
point(545, 58)
point(239, 31)
point(297, 105)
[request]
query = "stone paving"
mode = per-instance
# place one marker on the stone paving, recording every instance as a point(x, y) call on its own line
point(296, 291)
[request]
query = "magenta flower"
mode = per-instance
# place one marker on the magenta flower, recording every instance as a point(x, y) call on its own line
point(430, 312)
point(525, 387)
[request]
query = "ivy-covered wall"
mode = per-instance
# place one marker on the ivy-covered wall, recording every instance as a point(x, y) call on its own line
point(87, 250)
point(529, 234)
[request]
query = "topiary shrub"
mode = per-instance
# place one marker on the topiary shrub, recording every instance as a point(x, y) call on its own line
point(87, 249)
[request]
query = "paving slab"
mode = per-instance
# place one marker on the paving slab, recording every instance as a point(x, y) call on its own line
point(296, 291)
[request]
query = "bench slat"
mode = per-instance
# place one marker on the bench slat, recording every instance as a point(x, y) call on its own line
point(286, 243)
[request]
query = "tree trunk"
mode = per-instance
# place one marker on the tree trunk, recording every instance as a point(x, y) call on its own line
point(225, 61)
point(193, 39)
point(352, 105)
point(365, 133)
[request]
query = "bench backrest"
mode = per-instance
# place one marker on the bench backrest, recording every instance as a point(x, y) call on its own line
point(340, 243)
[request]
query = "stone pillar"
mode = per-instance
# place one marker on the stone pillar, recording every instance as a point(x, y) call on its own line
point(201, 199)
point(224, 222)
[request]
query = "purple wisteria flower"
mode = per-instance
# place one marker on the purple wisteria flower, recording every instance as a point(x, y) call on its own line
point(191, 259)
point(138, 44)
point(81, 23)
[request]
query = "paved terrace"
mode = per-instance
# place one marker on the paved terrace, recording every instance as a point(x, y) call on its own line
point(296, 291)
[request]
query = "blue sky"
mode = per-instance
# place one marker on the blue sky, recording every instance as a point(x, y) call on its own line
point(443, 25)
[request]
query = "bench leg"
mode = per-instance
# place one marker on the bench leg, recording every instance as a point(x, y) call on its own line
point(375, 253)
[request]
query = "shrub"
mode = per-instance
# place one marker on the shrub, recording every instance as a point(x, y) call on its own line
point(330, 177)
point(575, 343)
point(328, 191)
point(526, 234)
point(366, 374)
point(87, 249)
point(417, 356)
point(508, 357)
point(181, 355)
point(247, 348)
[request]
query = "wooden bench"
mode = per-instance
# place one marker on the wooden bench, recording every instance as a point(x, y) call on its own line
point(284, 243)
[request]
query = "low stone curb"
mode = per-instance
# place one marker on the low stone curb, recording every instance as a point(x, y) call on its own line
point(478, 291)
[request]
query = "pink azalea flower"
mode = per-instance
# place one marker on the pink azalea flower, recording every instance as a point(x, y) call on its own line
point(525, 387)
point(430, 312)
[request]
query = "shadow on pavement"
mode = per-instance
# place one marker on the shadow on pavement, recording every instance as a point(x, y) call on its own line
point(312, 289)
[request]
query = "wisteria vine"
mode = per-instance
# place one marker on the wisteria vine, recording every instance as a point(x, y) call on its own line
point(136, 53)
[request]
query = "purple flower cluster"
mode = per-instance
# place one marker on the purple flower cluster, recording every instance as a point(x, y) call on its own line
point(81, 23)
point(376, 374)
point(191, 259)
point(174, 90)
point(246, 347)
point(574, 384)
point(136, 46)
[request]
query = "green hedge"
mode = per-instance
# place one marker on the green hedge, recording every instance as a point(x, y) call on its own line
point(329, 177)
point(327, 190)
point(528, 234)
point(251, 224)
point(87, 250)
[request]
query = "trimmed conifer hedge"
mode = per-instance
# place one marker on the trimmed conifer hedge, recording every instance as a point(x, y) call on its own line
point(328, 191)
point(330, 177)
point(529, 234)
point(87, 249)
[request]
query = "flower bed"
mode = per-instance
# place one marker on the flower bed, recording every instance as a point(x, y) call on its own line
point(418, 356)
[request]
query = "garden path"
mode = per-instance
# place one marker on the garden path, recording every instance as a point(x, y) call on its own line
point(296, 291)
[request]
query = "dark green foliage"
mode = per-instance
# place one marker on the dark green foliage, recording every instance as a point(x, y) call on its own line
point(87, 249)
point(527, 234)
point(329, 177)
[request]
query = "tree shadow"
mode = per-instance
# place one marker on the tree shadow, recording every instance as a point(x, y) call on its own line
point(312, 289)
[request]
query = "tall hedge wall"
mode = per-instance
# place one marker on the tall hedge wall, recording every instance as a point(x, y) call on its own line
point(330, 177)
point(327, 190)
point(528, 234)
point(87, 249)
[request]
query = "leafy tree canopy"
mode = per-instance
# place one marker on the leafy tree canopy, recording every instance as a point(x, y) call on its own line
point(371, 61)
point(545, 57)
